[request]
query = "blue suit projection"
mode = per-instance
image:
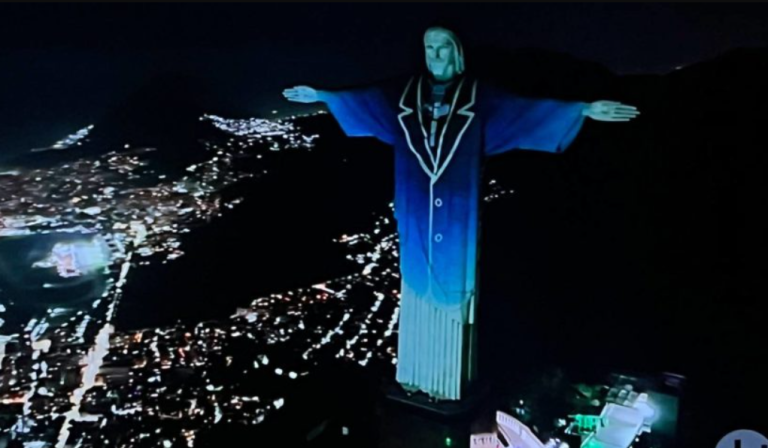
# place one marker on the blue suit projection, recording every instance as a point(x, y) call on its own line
point(442, 129)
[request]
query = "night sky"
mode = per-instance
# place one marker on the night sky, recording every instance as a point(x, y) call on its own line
point(64, 66)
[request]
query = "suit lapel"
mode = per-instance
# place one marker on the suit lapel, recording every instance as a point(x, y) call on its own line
point(459, 118)
point(411, 124)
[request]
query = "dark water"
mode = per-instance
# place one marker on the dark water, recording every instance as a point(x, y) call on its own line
point(279, 238)
point(27, 292)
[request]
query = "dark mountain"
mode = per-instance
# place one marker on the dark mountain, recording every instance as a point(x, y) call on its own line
point(645, 241)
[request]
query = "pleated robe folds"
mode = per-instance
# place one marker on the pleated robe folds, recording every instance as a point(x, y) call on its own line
point(437, 199)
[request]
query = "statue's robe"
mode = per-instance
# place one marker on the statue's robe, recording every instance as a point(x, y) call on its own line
point(437, 199)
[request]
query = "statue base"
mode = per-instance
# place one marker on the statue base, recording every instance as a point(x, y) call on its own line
point(475, 398)
point(414, 420)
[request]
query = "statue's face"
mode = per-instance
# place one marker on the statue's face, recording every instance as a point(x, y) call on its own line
point(440, 55)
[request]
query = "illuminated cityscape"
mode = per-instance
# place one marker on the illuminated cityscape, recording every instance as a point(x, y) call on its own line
point(69, 378)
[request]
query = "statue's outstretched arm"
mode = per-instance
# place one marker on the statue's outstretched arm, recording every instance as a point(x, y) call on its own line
point(305, 94)
point(610, 111)
point(361, 111)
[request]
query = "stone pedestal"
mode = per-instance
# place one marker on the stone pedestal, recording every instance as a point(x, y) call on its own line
point(415, 421)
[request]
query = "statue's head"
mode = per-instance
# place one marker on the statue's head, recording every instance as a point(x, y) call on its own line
point(445, 57)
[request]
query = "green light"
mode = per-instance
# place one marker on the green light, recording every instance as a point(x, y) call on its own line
point(448, 441)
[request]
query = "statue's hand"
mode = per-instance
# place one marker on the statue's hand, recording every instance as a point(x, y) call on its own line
point(610, 111)
point(302, 94)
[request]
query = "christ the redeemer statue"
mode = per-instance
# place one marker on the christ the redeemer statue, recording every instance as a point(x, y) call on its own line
point(442, 125)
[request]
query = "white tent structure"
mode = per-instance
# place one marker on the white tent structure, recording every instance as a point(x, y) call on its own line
point(485, 440)
point(513, 434)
